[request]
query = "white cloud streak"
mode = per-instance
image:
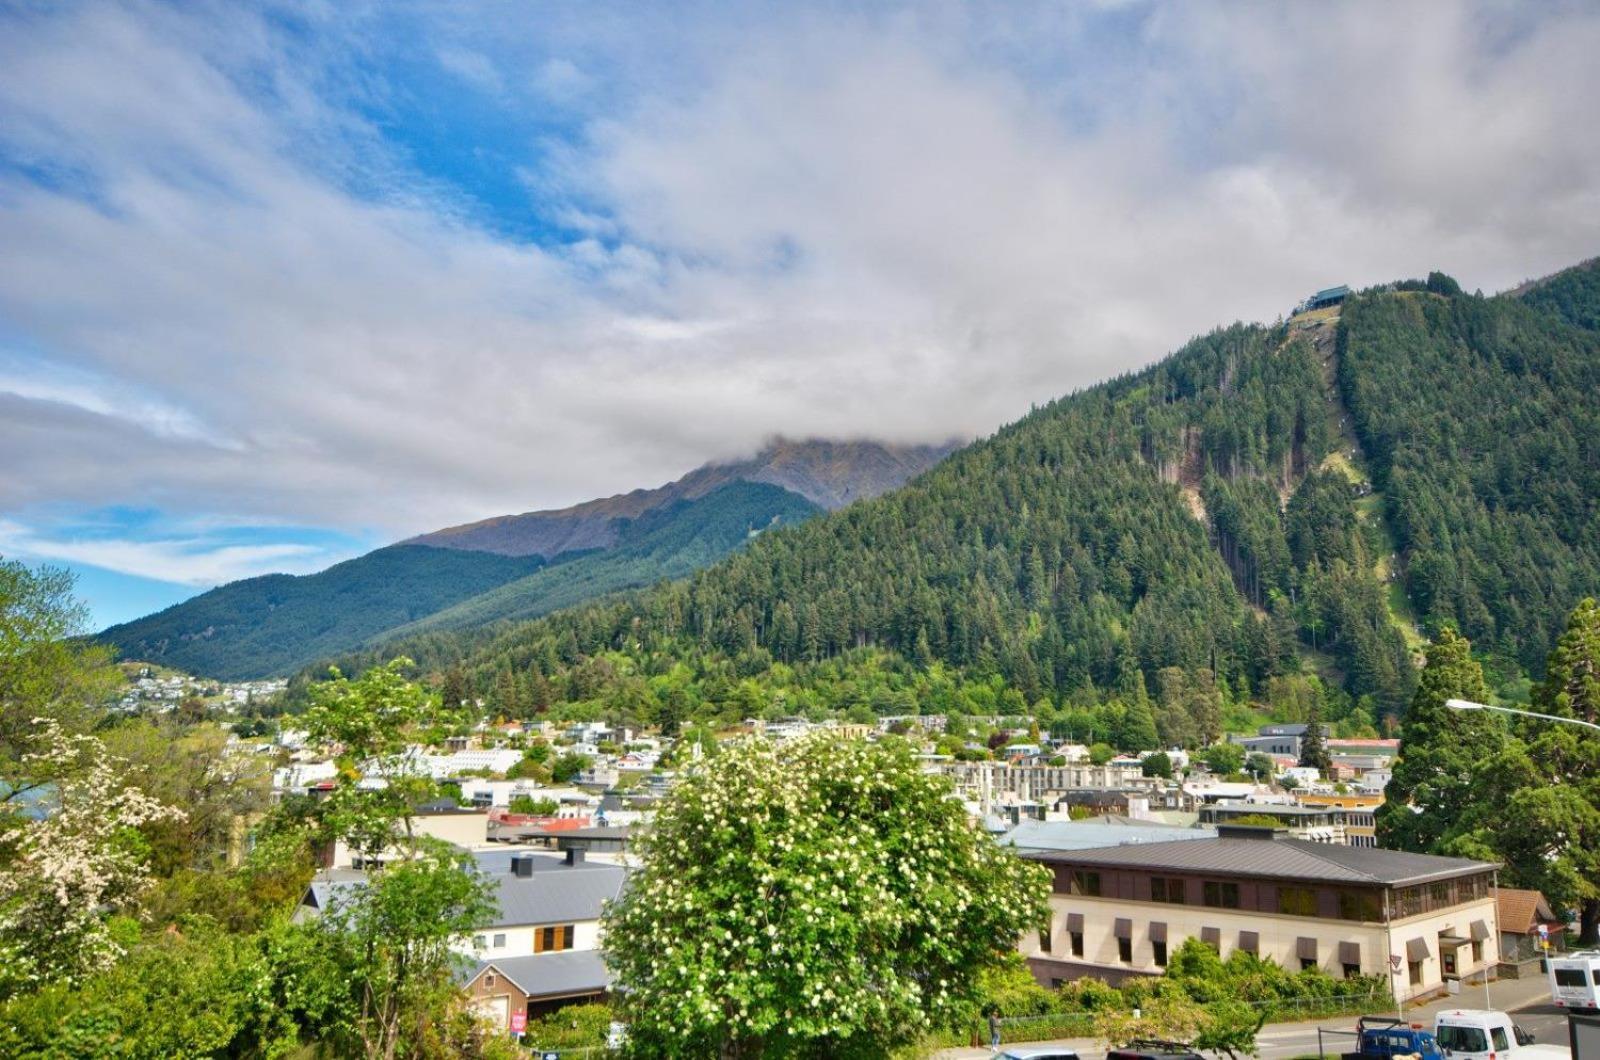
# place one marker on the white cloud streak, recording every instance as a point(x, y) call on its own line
point(911, 224)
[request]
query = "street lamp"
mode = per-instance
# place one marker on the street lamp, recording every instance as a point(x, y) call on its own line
point(1467, 704)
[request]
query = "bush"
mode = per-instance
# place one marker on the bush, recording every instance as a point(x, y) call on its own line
point(574, 1027)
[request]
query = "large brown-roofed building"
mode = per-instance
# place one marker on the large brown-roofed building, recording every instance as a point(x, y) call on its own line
point(1119, 911)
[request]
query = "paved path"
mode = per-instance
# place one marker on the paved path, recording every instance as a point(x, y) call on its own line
point(1529, 998)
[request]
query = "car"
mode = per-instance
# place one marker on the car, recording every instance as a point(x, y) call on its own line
point(1150, 1049)
point(1036, 1052)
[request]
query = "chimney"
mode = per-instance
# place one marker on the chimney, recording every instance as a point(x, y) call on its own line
point(574, 855)
point(521, 865)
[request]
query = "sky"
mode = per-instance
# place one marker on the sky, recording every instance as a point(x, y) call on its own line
point(280, 283)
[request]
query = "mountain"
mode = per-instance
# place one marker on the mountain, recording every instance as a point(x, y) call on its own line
point(1272, 513)
point(490, 571)
point(829, 474)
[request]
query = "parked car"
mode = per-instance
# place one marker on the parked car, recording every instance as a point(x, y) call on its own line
point(1036, 1052)
point(1148, 1049)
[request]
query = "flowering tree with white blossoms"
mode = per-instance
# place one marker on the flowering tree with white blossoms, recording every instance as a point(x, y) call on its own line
point(63, 871)
point(824, 898)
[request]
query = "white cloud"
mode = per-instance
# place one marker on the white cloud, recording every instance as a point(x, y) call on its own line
point(187, 561)
point(910, 224)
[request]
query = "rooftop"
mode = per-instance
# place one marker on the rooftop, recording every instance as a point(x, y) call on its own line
point(1093, 833)
point(1275, 858)
point(570, 972)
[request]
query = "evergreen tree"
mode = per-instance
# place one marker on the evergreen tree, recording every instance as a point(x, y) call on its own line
point(1432, 788)
point(1138, 729)
point(1314, 745)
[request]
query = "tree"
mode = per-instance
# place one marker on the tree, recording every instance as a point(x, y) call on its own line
point(370, 722)
point(1223, 759)
point(534, 807)
point(1138, 729)
point(1550, 831)
point(825, 898)
point(64, 872)
point(1314, 745)
point(391, 944)
point(1157, 765)
point(1433, 786)
point(45, 671)
point(565, 768)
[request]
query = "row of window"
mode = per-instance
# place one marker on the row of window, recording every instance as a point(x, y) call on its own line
point(551, 939)
point(1158, 951)
point(1354, 904)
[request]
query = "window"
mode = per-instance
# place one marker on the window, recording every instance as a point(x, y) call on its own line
point(1463, 1039)
point(1045, 933)
point(1499, 1036)
point(1351, 971)
point(1161, 953)
point(1477, 951)
point(479, 942)
point(1297, 901)
point(488, 980)
point(1087, 883)
point(1168, 889)
point(1360, 905)
point(1077, 943)
point(1308, 964)
point(1125, 951)
point(547, 939)
point(1415, 968)
point(1222, 895)
point(1572, 977)
point(499, 941)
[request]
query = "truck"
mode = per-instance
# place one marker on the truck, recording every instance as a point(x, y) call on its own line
point(1384, 1038)
point(1483, 1034)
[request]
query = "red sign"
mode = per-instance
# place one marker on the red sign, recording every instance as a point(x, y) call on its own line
point(519, 1022)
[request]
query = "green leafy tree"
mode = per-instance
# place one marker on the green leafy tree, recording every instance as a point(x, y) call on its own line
point(1434, 786)
point(1223, 758)
point(1549, 831)
point(567, 767)
point(537, 807)
point(1101, 753)
point(823, 899)
point(1157, 765)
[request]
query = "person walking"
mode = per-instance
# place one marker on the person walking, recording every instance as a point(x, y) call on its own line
point(994, 1029)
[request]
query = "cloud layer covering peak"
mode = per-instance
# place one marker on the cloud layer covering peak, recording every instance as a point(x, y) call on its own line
point(376, 269)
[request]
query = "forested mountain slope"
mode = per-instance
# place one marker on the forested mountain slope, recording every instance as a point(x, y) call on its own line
point(278, 622)
point(1251, 509)
point(485, 572)
point(663, 543)
point(829, 474)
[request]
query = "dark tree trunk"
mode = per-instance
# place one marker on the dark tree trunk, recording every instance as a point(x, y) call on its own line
point(1589, 922)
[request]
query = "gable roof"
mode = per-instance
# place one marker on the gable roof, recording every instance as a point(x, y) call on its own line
point(555, 893)
point(547, 974)
point(1283, 859)
point(1521, 912)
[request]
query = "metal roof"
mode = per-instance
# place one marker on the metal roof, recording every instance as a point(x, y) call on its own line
point(1280, 858)
point(556, 893)
point(1087, 835)
point(552, 974)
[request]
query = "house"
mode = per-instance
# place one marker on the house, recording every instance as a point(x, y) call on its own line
point(1282, 739)
point(1521, 914)
point(1117, 912)
point(1328, 296)
point(466, 828)
point(541, 948)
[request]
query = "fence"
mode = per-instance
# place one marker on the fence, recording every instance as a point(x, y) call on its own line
point(1289, 1009)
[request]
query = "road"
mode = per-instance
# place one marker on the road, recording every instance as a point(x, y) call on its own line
point(1528, 998)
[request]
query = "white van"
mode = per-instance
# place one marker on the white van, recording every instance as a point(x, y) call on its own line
point(1478, 1034)
point(1575, 980)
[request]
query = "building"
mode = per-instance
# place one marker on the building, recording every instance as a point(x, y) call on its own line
point(1283, 740)
point(466, 828)
point(1118, 911)
point(1328, 296)
point(989, 780)
point(1314, 824)
point(1521, 914)
point(1358, 812)
point(541, 949)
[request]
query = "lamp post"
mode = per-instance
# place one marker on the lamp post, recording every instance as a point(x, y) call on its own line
point(1467, 704)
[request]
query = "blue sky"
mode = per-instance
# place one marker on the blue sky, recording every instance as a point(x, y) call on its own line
point(283, 282)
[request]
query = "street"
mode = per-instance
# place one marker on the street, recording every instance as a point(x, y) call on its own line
point(1529, 999)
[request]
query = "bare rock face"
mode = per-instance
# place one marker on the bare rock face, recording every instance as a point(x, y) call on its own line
point(830, 474)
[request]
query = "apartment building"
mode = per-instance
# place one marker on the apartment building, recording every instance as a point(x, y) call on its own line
point(1119, 911)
